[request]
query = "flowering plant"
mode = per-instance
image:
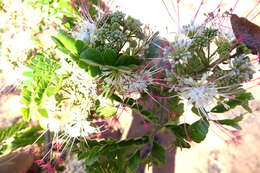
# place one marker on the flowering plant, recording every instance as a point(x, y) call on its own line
point(105, 64)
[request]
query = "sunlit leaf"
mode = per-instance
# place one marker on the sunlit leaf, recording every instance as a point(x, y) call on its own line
point(26, 113)
point(158, 154)
point(43, 112)
point(198, 130)
point(68, 42)
point(106, 111)
point(231, 122)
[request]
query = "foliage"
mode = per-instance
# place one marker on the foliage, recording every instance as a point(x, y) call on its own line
point(232, 122)
point(241, 99)
point(10, 131)
point(105, 62)
point(17, 136)
point(113, 156)
point(43, 82)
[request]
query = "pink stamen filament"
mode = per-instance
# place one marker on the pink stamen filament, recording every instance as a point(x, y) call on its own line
point(151, 96)
point(178, 14)
point(196, 14)
point(253, 9)
point(167, 9)
point(173, 6)
point(255, 16)
point(218, 6)
point(235, 6)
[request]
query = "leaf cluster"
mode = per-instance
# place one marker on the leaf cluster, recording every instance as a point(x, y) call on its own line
point(42, 82)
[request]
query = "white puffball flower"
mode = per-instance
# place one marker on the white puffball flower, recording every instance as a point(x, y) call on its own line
point(181, 47)
point(79, 129)
point(78, 126)
point(54, 125)
point(201, 93)
point(201, 96)
point(143, 79)
point(182, 42)
point(192, 29)
point(86, 32)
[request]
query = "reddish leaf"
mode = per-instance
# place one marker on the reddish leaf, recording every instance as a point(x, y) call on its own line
point(246, 32)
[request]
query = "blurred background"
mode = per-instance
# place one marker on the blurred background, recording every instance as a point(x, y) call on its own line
point(216, 154)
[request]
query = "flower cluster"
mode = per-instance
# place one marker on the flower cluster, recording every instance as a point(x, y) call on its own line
point(105, 62)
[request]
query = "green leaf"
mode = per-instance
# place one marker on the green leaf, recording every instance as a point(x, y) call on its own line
point(91, 160)
point(67, 9)
point(175, 106)
point(125, 60)
point(150, 116)
point(137, 106)
point(26, 137)
point(57, 42)
point(132, 142)
point(247, 108)
point(25, 101)
point(158, 154)
point(197, 111)
point(198, 130)
point(92, 11)
point(240, 99)
point(181, 133)
point(129, 101)
point(91, 155)
point(50, 91)
point(93, 70)
point(26, 92)
point(81, 46)
point(26, 96)
point(90, 62)
point(26, 114)
point(43, 112)
point(106, 111)
point(179, 130)
point(116, 98)
point(83, 65)
point(231, 122)
point(180, 142)
point(11, 130)
point(28, 74)
point(92, 57)
point(65, 51)
point(245, 96)
point(134, 162)
point(220, 108)
point(37, 100)
point(109, 57)
point(68, 42)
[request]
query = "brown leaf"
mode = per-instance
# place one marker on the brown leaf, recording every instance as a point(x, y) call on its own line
point(246, 32)
point(18, 162)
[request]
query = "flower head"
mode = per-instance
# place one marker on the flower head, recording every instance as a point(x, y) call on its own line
point(131, 82)
point(200, 93)
point(86, 32)
point(79, 128)
point(142, 79)
point(192, 30)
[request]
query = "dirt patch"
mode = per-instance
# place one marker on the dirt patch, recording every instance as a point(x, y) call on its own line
point(216, 155)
